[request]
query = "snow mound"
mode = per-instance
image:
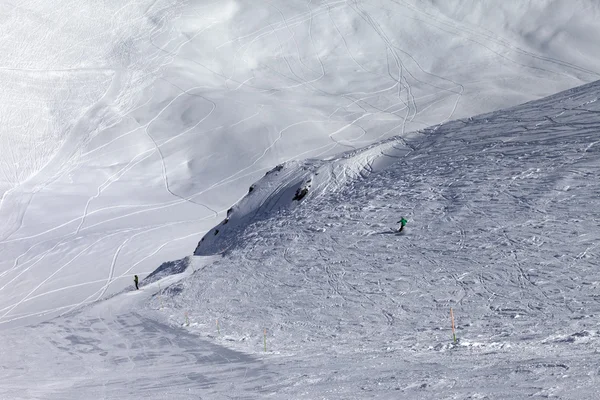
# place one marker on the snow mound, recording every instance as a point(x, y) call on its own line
point(294, 183)
point(166, 269)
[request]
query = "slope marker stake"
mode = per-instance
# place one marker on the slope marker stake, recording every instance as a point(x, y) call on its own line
point(265, 339)
point(452, 319)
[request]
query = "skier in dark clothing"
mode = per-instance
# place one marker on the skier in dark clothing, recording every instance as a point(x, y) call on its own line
point(136, 280)
point(402, 222)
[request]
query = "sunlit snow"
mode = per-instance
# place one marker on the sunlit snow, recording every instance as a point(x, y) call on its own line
point(260, 154)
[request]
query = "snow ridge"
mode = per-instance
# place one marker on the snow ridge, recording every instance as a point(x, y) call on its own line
point(288, 185)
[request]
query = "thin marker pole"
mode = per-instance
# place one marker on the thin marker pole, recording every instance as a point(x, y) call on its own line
point(453, 330)
point(265, 337)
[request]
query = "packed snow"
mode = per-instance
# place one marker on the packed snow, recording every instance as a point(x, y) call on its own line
point(250, 163)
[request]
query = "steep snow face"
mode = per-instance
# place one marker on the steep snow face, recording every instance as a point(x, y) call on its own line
point(503, 213)
point(130, 128)
point(289, 185)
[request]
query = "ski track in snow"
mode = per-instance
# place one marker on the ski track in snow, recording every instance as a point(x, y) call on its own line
point(132, 163)
point(122, 347)
point(501, 229)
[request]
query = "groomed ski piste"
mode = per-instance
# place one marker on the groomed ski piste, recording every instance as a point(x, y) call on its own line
point(249, 162)
point(315, 297)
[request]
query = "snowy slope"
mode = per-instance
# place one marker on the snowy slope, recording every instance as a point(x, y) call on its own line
point(129, 128)
point(290, 184)
point(503, 228)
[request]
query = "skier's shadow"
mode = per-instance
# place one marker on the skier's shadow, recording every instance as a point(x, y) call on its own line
point(391, 233)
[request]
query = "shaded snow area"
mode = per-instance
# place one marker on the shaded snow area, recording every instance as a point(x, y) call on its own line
point(115, 350)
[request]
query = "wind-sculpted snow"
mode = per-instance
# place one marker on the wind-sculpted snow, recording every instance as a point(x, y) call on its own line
point(503, 213)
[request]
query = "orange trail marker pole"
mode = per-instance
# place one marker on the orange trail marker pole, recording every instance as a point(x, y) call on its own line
point(453, 331)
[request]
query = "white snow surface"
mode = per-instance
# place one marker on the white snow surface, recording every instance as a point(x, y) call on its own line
point(320, 298)
point(131, 130)
point(503, 229)
point(130, 127)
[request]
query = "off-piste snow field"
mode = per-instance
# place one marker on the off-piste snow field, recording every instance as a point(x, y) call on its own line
point(250, 162)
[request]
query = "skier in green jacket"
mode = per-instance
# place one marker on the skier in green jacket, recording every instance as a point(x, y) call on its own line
point(136, 280)
point(402, 222)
